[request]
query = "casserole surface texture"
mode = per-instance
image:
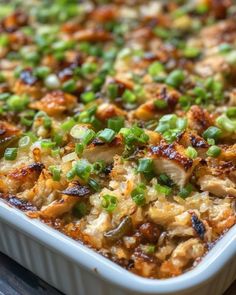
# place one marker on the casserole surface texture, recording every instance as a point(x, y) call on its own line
point(118, 125)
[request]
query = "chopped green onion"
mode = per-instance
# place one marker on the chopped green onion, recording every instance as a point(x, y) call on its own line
point(163, 189)
point(165, 179)
point(185, 102)
point(55, 152)
point(214, 151)
point(160, 104)
point(109, 203)
point(231, 112)
point(98, 167)
point(94, 184)
point(58, 138)
point(47, 144)
point(88, 68)
point(87, 97)
point(231, 57)
point(106, 135)
point(4, 40)
point(97, 83)
point(47, 122)
point(17, 103)
point(68, 124)
point(24, 141)
point(191, 152)
point(2, 78)
point(145, 165)
point(186, 191)
point(225, 48)
point(155, 69)
point(83, 169)
point(10, 154)
point(202, 8)
point(191, 52)
point(134, 135)
point(42, 72)
point(200, 93)
point(4, 96)
point(112, 90)
point(82, 133)
point(170, 126)
point(80, 209)
point(71, 174)
point(62, 45)
point(52, 82)
point(138, 195)
point(79, 148)
point(116, 123)
point(56, 172)
point(226, 123)
point(69, 86)
point(212, 132)
point(129, 97)
point(26, 122)
point(175, 78)
point(211, 141)
point(148, 249)
point(161, 32)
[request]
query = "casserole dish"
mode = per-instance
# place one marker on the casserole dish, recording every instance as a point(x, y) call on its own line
point(74, 269)
point(120, 133)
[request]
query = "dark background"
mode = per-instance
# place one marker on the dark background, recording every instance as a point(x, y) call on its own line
point(16, 280)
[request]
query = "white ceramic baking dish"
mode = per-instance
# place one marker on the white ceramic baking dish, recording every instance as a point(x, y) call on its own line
point(76, 269)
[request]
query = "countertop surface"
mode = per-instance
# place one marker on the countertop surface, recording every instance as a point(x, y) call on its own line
point(16, 280)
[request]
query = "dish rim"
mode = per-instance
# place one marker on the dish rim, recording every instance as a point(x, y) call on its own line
point(88, 258)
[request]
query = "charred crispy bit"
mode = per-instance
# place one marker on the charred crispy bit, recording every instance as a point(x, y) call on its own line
point(20, 204)
point(157, 93)
point(160, 91)
point(20, 179)
point(190, 138)
point(99, 150)
point(171, 159)
point(149, 232)
point(198, 226)
point(198, 119)
point(28, 170)
point(55, 103)
point(27, 77)
point(77, 190)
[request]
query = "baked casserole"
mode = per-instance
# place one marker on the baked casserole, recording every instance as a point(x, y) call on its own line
point(118, 125)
